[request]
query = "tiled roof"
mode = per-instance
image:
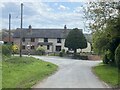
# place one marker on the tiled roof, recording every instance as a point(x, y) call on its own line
point(41, 33)
point(6, 39)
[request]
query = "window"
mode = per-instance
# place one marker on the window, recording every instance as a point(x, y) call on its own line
point(45, 39)
point(23, 39)
point(23, 47)
point(58, 48)
point(48, 47)
point(32, 47)
point(32, 39)
point(58, 40)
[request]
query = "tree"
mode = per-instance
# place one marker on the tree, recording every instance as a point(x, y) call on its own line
point(75, 40)
point(98, 13)
point(117, 56)
point(105, 17)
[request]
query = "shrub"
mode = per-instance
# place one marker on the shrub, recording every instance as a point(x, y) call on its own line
point(105, 59)
point(75, 55)
point(40, 50)
point(62, 53)
point(78, 56)
point(117, 56)
point(6, 50)
point(84, 57)
point(63, 50)
point(14, 49)
point(67, 52)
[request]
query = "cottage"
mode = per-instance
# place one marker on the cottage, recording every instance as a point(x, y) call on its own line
point(52, 39)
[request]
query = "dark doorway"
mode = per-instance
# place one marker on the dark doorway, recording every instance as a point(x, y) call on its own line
point(58, 48)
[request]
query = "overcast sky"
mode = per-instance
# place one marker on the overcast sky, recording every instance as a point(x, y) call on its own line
point(39, 14)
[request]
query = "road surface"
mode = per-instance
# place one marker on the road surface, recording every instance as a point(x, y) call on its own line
point(71, 74)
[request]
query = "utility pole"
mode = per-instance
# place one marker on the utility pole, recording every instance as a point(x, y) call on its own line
point(9, 28)
point(21, 30)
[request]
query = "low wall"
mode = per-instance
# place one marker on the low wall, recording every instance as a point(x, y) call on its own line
point(94, 57)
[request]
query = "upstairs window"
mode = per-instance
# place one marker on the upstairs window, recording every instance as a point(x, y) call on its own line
point(45, 39)
point(32, 39)
point(58, 40)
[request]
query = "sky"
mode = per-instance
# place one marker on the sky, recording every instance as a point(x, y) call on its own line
point(44, 14)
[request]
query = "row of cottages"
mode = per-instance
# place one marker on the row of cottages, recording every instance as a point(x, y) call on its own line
point(51, 39)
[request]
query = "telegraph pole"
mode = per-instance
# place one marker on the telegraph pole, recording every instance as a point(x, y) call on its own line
point(21, 30)
point(9, 28)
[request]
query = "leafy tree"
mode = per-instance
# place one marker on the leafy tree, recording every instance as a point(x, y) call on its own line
point(98, 13)
point(105, 17)
point(117, 56)
point(75, 40)
point(108, 39)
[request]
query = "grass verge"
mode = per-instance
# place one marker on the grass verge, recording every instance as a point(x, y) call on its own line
point(24, 72)
point(107, 73)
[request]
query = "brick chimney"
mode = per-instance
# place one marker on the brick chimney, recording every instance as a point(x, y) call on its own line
point(65, 30)
point(30, 28)
point(65, 27)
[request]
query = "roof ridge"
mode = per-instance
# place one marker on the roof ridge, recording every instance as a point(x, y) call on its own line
point(46, 28)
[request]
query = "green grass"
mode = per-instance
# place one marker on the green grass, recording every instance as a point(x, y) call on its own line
point(0, 74)
point(24, 72)
point(107, 73)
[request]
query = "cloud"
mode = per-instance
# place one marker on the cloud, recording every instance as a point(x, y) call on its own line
point(61, 7)
point(2, 5)
point(42, 15)
point(78, 10)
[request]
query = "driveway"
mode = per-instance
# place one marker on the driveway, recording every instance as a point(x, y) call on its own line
point(71, 74)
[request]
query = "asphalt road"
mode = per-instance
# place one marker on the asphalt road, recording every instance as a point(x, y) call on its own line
point(71, 74)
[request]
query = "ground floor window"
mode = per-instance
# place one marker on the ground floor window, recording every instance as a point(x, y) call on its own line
point(58, 48)
point(48, 47)
point(23, 47)
point(32, 47)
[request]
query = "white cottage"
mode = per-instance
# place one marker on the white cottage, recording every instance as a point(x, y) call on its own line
point(52, 39)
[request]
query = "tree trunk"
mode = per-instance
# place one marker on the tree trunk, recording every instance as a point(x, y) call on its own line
point(75, 50)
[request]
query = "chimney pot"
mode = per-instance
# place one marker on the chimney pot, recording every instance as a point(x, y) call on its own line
point(65, 27)
point(30, 27)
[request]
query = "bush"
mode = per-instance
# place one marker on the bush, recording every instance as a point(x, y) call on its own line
point(67, 52)
point(117, 56)
point(105, 59)
point(63, 50)
point(84, 57)
point(78, 56)
point(75, 55)
point(6, 50)
point(40, 50)
point(62, 53)
point(14, 49)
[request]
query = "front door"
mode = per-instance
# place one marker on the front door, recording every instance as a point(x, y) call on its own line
point(58, 48)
